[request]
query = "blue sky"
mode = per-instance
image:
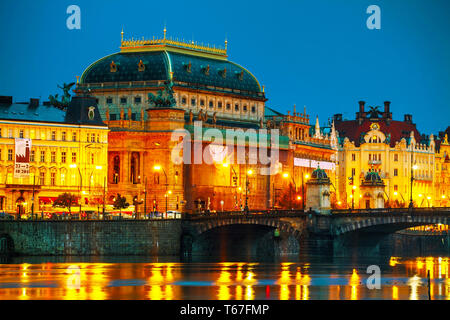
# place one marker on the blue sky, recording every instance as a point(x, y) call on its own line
point(315, 53)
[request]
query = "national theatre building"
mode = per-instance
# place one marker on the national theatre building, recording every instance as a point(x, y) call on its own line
point(153, 87)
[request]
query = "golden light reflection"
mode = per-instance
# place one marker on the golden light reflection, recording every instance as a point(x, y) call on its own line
point(354, 282)
point(414, 282)
point(394, 293)
point(239, 292)
point(249, 293)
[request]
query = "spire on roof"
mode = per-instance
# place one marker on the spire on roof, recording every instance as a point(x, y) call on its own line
point(317, 133)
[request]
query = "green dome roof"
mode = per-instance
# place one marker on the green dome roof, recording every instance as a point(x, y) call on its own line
point(319, 174)
point(188, 70)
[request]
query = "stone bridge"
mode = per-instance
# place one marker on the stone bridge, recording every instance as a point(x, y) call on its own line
point(294, 231)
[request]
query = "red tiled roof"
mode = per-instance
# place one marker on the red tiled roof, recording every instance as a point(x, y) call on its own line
point(398, 130)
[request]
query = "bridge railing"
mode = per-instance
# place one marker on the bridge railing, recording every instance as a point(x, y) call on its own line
point(385, 211)
point(251, 213)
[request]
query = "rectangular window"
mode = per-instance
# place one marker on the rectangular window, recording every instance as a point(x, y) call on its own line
point(53, 135)
point(109, 100)
point(93, 137)
point(395, 157)
point(137, 100)
point(63, 157)
point(63, 136)
point(42, 156)
point(21, 133)
point(42, 178)
point(63, 179)
point(92, 158)
point(228, 106)
point(202, 102)
point(133, 116)
point(395, 187)
point(74, 157)
point(353, 172)
point(183, 100)
point(10, 154)
point(112, 116)
point(53, 178)
point(219, 104)
point(244, 108)
point(0, 133)
point(253, 109)
point(395, 172)
point(0, 154)
point(74, 136)
point(123, 100)
point(10, 133)
point(236, 107)
point(354, 157)
point(32, 155)
point(211, 104)
point(193, 102)
point(53, 156)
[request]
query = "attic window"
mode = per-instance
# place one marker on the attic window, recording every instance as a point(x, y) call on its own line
point(141, 66)
point(188, 67)
point(241, 75)
point(113, 67)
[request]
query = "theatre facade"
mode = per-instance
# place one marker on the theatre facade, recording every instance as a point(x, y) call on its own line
point(151, 88)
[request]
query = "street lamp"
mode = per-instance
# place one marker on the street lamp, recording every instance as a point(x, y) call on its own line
point(74, 165)
point(159, 168)
point(248, 173)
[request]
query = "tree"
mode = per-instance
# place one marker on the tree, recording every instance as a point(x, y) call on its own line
point(120, 203)
point(65, 200)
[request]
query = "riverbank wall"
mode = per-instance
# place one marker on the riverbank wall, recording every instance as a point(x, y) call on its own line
point(125, 237)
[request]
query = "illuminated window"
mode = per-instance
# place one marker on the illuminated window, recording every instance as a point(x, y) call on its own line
point(395, 172)
point(353, 171)
point(63, 157)
point(0, 154)
point(42, 156)
point(53, 135)
point(395, 157)
point(10, 154)
point(395, 187)
point(32, 155)
point(21, 133)
point(63, 179)
point(74, 157)
point(53, 178)
point(354, 157)
point(42, 178)
point(53, 156)
point(74, 136)
point(63, 136)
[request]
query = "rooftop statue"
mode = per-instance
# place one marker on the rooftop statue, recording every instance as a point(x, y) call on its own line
point(64, 103)
point(164, 98)
point(374, 112)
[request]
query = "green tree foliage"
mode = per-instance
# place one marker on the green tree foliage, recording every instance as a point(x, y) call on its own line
point(65, 200)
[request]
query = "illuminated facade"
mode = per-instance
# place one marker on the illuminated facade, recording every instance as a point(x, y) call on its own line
point(443, 170)
point(394, 149)
point(209, 90)
point(64, 146)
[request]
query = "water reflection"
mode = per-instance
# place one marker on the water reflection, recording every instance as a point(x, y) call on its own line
point(312, 279)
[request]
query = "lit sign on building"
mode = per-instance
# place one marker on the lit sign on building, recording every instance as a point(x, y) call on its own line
point(22, 158)
point(308, 163)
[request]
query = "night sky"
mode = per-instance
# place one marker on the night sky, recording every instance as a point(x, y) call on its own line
point(315, 53)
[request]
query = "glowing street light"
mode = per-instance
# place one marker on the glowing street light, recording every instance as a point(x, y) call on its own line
point(159, 168)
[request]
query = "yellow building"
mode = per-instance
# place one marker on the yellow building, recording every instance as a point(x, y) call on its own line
point(442, 182)
point(68, 151)
point(394, 149)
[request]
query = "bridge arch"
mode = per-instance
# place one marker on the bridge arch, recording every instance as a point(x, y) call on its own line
point(254, 235)
point(388, 224)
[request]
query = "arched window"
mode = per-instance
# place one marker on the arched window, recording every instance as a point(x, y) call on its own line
point(134, 168)
point(116, 170)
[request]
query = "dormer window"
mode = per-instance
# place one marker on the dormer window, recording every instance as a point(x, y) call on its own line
point(113, 67)
point(224, 73)
point(141, 66)
point(188, 67)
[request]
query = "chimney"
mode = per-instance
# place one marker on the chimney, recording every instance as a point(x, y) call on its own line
point(361, 107)
point(408, 118)
point(386, 106)
point(34, 103)
point(6, 100)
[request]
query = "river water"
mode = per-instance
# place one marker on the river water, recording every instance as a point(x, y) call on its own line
point(299, 278)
